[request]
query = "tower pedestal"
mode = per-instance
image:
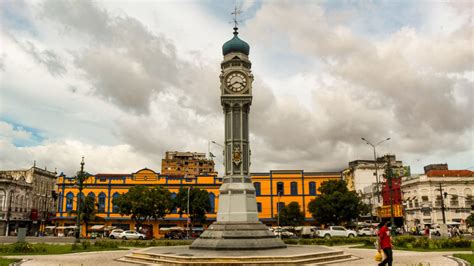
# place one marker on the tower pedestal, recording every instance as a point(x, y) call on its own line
point(237, 235)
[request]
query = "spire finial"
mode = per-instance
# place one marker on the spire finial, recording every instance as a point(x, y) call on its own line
point(235, 13)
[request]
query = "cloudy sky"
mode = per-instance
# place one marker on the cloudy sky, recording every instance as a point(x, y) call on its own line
point(122, 82)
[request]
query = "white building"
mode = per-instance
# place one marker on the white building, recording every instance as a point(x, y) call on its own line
point(423, 198)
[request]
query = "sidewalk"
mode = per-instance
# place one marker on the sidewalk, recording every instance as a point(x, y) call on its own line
point(402, 257)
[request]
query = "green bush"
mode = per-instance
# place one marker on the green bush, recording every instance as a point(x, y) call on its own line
point(294, 241)
point(421, 242)
point(106, 244)
point(85, 244)
point(403, 241)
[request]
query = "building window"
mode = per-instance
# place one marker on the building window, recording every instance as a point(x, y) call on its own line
point(2, 199)
point(438, 201)
point(280, 188)
point(69, 201)
point(91, 195)
point(102, 202)
point(80, 198)
point(454, 201)
point(115, 207)
point(294, 188)
point(259, 206)
point(424, 199)
point(257, 188)
point(212, 201)
point(312, 188)
point(173, 198)
point(280, 206)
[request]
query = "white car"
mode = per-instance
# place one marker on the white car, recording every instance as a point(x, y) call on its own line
point(283, 233)
point(130, 234)
point(115, 233)
point(336, 231)
point(367, 232)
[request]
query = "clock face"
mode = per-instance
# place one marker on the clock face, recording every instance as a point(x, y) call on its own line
point(236, 82)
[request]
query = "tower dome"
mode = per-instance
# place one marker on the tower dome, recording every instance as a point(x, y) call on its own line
point(235, 45)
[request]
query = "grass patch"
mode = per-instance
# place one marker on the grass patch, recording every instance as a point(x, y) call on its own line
point(151, 243)
point(7, 261)
point(425, 244)
point(47, 249)
point(335, 241)
point(467, 257)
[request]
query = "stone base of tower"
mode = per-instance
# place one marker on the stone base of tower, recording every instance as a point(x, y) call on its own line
point(237, 236)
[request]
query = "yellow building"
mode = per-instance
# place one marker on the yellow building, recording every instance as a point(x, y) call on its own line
point(273, 188)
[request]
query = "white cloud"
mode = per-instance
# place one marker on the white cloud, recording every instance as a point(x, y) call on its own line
point(122, 83)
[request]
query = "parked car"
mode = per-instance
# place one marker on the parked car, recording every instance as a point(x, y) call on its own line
point(283, 233)
point(130, 234)
point(115, 233)
point(367, 232)
point(336, 231)
point(307, 231)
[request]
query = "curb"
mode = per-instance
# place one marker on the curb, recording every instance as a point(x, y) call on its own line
point(460, 262)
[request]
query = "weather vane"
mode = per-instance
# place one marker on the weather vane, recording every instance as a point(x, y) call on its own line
point(235, 14)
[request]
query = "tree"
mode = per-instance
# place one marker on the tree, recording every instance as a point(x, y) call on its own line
point(291, 215)
point(336, 205)
point(470, 220)
point(88, 210)
point(144, 203)
point(199, 204)
point(161, 200)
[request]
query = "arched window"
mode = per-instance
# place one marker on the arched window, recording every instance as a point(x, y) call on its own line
point(312, 188)
point(280, 188)
point(294, 188)
point(453, 194)
point(257, 188)
point(212, 200)
point(27, 203)
point(17, 199)
point(259, 206)
point(115, 208)
point(2, 199)
point(102, 202)
point(69, 201)
point(469, 200)
point(173, 197)
point(91, 195)
point(80, 198)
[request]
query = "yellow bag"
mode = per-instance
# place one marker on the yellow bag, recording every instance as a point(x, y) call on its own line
point(378, 256)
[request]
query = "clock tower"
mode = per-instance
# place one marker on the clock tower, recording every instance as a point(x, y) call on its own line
point(237, 225)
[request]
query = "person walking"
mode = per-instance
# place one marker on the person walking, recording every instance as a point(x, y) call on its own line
point(385, 243)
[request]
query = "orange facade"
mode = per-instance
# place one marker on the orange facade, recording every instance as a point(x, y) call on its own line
point(293, 185)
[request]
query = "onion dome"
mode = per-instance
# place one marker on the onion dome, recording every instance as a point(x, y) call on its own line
point(235, 45)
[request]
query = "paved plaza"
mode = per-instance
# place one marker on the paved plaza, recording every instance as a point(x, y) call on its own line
point(366, 258)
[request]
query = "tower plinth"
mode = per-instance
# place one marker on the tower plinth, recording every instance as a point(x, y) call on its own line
point(237, 225)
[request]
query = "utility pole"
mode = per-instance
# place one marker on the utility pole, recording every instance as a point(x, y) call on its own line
point(442, 202)
point(389, 176)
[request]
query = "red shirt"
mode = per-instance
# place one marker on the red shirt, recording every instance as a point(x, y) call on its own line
point(384, 237)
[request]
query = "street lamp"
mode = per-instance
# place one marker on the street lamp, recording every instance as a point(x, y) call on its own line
point(375, 162)
point(80, 178)
point(278, 209)
point(188, 219)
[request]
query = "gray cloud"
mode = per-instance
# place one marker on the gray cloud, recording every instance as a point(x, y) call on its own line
point(409, 86)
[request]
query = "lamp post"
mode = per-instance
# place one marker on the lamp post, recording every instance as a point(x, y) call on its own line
point(188, 219)
point(375, 162)
point(81, 176)
point(278, 209)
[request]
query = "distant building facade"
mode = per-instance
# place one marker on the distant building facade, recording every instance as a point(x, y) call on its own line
point(186, 164)
point(273, 189)
point(26, 199)
point(423, 195)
